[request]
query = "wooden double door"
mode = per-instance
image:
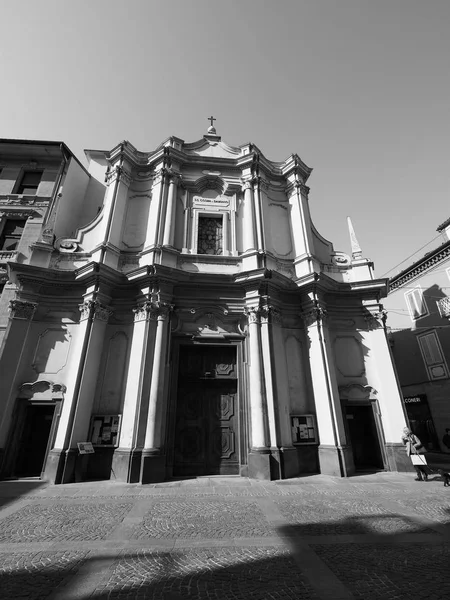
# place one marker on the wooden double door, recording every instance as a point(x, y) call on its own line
point(206, 431)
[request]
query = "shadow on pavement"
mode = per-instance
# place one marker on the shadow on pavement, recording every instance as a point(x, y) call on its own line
point(371, 555)
point(12, 490)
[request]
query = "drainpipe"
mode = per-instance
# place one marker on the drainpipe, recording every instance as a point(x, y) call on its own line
point(328, 383)
point(113, 204)
point(77, 386)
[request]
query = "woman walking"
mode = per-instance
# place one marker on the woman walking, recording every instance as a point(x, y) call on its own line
point(415, 450)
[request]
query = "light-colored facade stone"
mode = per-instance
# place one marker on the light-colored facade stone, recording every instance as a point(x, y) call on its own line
point(183, 304)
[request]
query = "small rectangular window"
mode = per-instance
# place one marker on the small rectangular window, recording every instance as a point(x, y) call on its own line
point(11, 234)
point(210, 235)
point(416, 303)
point(432, 355)
point(29, 183)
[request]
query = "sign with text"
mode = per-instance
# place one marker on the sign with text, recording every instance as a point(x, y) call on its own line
point(420, 398)
point(210, 201)
point(85, 448)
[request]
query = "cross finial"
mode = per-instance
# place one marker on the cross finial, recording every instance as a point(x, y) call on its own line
point(212, 119)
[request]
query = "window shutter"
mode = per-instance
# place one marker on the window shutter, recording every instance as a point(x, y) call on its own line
point(430, 349)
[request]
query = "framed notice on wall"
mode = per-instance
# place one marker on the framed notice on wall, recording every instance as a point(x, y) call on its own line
point(304, 430)
point(104, 430)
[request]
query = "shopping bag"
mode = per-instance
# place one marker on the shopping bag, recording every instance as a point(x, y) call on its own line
point(418, 460)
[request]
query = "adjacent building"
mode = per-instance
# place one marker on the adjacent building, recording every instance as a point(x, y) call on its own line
point(176, 313)
point(418, 306)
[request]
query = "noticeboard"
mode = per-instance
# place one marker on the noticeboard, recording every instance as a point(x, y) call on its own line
point(104, 430)
point(304, 430)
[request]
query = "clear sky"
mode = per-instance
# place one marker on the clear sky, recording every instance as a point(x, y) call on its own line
point(358, 88)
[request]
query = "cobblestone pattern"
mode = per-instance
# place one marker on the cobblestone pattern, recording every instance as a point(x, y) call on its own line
point(208, 519)
point(62, 522)
point(35, 576)
point(350, 517)
point(266, 573)
point(383, 572)
point(436, 509)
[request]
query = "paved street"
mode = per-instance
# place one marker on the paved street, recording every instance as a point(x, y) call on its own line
point(380, 536)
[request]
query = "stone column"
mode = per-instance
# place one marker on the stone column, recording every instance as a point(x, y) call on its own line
point(153, 457)
point(334, 454)
point(259, 466)
point(127, 457)
point(83, 367)
point(169, 224)
point(14, 346)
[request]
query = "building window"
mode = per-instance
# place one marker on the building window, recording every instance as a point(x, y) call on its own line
point(210, 235)
point(29, 183)
point(11, 234)
point(416, 303)
point(432, 355)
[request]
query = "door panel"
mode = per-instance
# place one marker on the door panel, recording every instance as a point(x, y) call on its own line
point(206, 428)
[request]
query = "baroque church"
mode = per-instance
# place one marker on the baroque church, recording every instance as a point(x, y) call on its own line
point(175, 313)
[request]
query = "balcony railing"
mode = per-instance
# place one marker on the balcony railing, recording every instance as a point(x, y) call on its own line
point(444, 307)
point(8, 255)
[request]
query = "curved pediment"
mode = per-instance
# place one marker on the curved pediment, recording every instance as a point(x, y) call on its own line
point(212, 148)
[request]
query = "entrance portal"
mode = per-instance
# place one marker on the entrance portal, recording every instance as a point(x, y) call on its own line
point(206, 430)
point(364, 437)
point(34, 440)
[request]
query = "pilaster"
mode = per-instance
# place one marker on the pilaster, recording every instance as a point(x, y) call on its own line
point(21, 314)
point(153, 455)
point(333, 449)
point(83, 367)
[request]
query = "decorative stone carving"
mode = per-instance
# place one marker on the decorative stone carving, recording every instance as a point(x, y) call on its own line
point(253, 313)
point(22, 310)
point(376, 320)
point(46, 389)
point(270, 314)
point(93, 309)
point(313, 315)
point(119, 173)
point(152, 311)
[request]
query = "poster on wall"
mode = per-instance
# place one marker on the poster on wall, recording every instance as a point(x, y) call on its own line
point(104, 430)
point(304, 429)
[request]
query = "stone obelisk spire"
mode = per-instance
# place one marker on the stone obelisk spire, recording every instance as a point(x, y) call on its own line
point(356, 248)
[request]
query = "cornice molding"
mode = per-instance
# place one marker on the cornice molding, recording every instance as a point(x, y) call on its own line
point(427, 262)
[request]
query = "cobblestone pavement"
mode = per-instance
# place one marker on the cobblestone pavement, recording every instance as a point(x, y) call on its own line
point(371, 537)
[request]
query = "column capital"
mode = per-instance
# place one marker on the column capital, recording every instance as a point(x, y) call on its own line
point(253, 313)
point(20, 309)
point(93, 309)
point(152, 311)
point(119, 173)
point(376, 320)
point(246, 185)
point(270, 314)
point(313, 315)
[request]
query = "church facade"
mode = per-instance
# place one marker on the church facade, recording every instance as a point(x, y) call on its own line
point(178, 315)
